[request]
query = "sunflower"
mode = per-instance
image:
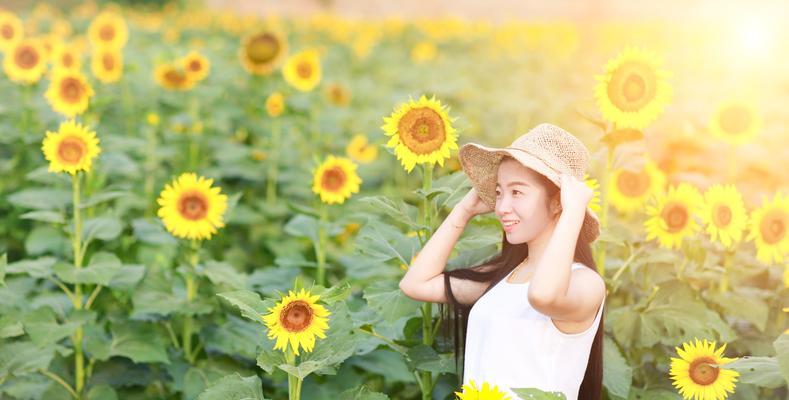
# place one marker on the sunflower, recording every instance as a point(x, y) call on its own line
point(191, 208)
point(724, 214)
point(69, 92)
point(594, 204)
point(735, 121)
point(472, 392)
point(421, 132)
point(303, 70)
point(107, 64)
point(109, 30)
point(296, 320)
point(335, 180)
point(261, 52)
point(66, 56)
point(11, 30)
point(698, 374)
point(422, 52)
point(275, 104)
point(768, 225)
point(628, 190)
point(25, 61)
point(671, 215)
point(634, 89)
point(71, 149)
point(173, 77)
point(196, 66)
point(338, 95)
point(360, 150)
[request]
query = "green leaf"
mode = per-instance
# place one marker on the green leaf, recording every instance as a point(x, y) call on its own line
point(128, 277)
point(424, 358)
point(38, 268)
point(102, 268)
point(398, 211)
point(42, 326)
point(234, 387)
point(759, 371)
point(381, 242)
point(152, 232)
point(618, 375)
point(537, 394)
point(102, 392)
point(748, 307)
point(336, 293)
point(45, 216)
point(137, 341)
point(268, 359)
point(19, 358)
point(11, 326)
point(102, 228)
point(3, 265)
point(41, 199)
point(362, 393)
point(222, 273)
point(235, 337)
point(101, 197)
point(250, 304)
point(46, 239)
point(388, 300)
point(781, 346)
point(303, 226)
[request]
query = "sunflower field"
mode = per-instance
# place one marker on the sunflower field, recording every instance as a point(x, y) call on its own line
point(199, 204)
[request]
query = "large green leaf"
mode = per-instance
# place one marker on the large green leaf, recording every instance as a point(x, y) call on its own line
point(759, 371)
point(38, 268)
point(424, 358)
point(303, 226)
point(618, 375)
point(222, 273)
point(41, 199)
point(781, 346)
point(249, 303)
point(102, 228)
point(18, 358)
point(746, 306)
point(102, 268)
point(43, 328)
point(388, 300)
point(140, 342)
point(362, 393)
point(399, 211)
point(152, 232)
point(381, 242)
point(54, 217)
point(234, 387)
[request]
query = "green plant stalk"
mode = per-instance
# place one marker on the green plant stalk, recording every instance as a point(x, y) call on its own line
point(426, 384)
point(727, 260)
point(604, 206)
point(294, 382)
point(320, 247)
point(191, 293)
point(273, 165)
point(76, 242)
point(150, 168)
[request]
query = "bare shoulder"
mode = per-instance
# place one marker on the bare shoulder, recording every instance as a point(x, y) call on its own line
point(590, 282)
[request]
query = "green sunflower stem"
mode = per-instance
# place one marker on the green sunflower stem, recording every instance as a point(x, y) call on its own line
point(727, 261)
point(150, 168)
point(294, 382)
point(273, 165)
point(426, 377)
point(76, 243)
point(320, 247)
point(604, 208)
point(191, 293)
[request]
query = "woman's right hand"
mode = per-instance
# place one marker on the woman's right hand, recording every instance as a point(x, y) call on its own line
point(472, 205)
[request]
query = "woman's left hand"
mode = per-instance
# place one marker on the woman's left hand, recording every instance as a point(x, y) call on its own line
point(575, 194)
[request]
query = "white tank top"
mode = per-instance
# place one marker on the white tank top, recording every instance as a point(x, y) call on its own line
point(512, 345)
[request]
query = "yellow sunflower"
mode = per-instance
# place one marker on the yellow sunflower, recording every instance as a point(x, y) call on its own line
point(768, 226)
point(338, 95)
point(672, 215)
point(196, 66)
point(261, 52)
point(303, 70)
point(629, 190)
point(634, 89)
point(66, 56)
point(335, 180)
point(423, 51)
point(472, 392)
point(191, 208)
point(699, 375)
point(107, 64)
point(735, 121)
point(724, 214)
point(360, 150)
point(69, 92)
point(108, 29)
point(421, 132)
point(173, 77)
point(25, 61)
point(11, 30)
point(296, 320)
point(594, 204)
point(275, 104)
point(71, 149)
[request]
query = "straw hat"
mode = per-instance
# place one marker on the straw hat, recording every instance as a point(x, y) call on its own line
point(547, 149)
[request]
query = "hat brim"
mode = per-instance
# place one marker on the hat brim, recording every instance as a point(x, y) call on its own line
point(481, 165)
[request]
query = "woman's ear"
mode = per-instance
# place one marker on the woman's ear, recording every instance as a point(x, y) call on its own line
point(556, 206)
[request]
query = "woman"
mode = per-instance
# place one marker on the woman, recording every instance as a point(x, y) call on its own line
point(532, 315)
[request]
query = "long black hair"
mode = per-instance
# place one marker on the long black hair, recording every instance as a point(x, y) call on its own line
point(493, 271)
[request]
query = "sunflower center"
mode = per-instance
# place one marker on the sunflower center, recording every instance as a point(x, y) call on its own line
point(174, 77)
point(26, 57)
point(722, 215)
point(333, 179)
point(67, 60)
point(632, 86)
point(633, 184)
point(108, 61)
point(71, 150)
point(296, 316)
point(7, 31)
point(193, 206)
point(422, 130)
point(304, 70)
point(676, 216)
point(773, 226)
point(195, 65)
point(702, 373)
point(71, 90)
point(262, 48)
point(107, 33)
point(735, 119)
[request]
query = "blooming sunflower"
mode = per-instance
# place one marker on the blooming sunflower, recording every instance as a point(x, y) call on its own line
point(629, 190)
point(735, 121)
point(261, 52)
point(173, 77)
point(296, 320)
point(338, 95)
point(671, 215)
point(303, 70)
point(594, 204)
point(275, 104)
point(11, 30)
point(724, 214)
point(634, 89)
point(107, 64)
point(71, 149)
point(698, 374)
point(335, 180)
point(191, 208)
point(66, 56)
point(25, 61)
point(768, 225)
point(421, 132)
point(69, 92)
point(472, 392)
point(360, 150)
point(422, 52)
point(109, 30)
point(196, 66)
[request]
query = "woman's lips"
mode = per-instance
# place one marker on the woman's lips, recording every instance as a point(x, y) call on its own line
point(510, 228)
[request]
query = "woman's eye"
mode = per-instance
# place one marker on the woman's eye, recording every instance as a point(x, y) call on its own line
point(516, 192)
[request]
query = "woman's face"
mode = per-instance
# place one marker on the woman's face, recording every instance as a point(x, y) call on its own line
point(521, 198)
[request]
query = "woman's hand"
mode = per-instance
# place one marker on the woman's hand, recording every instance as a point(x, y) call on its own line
point(575, 194)
point(472, 205)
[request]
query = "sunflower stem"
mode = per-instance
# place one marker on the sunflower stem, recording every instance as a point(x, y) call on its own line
point(427, 307)
point(273, 165)
point(604, 206)
point(76, 242)
point(294, 382)
point(727, 261)
point(320, 247)
point(191, 292)
point(150, 168)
